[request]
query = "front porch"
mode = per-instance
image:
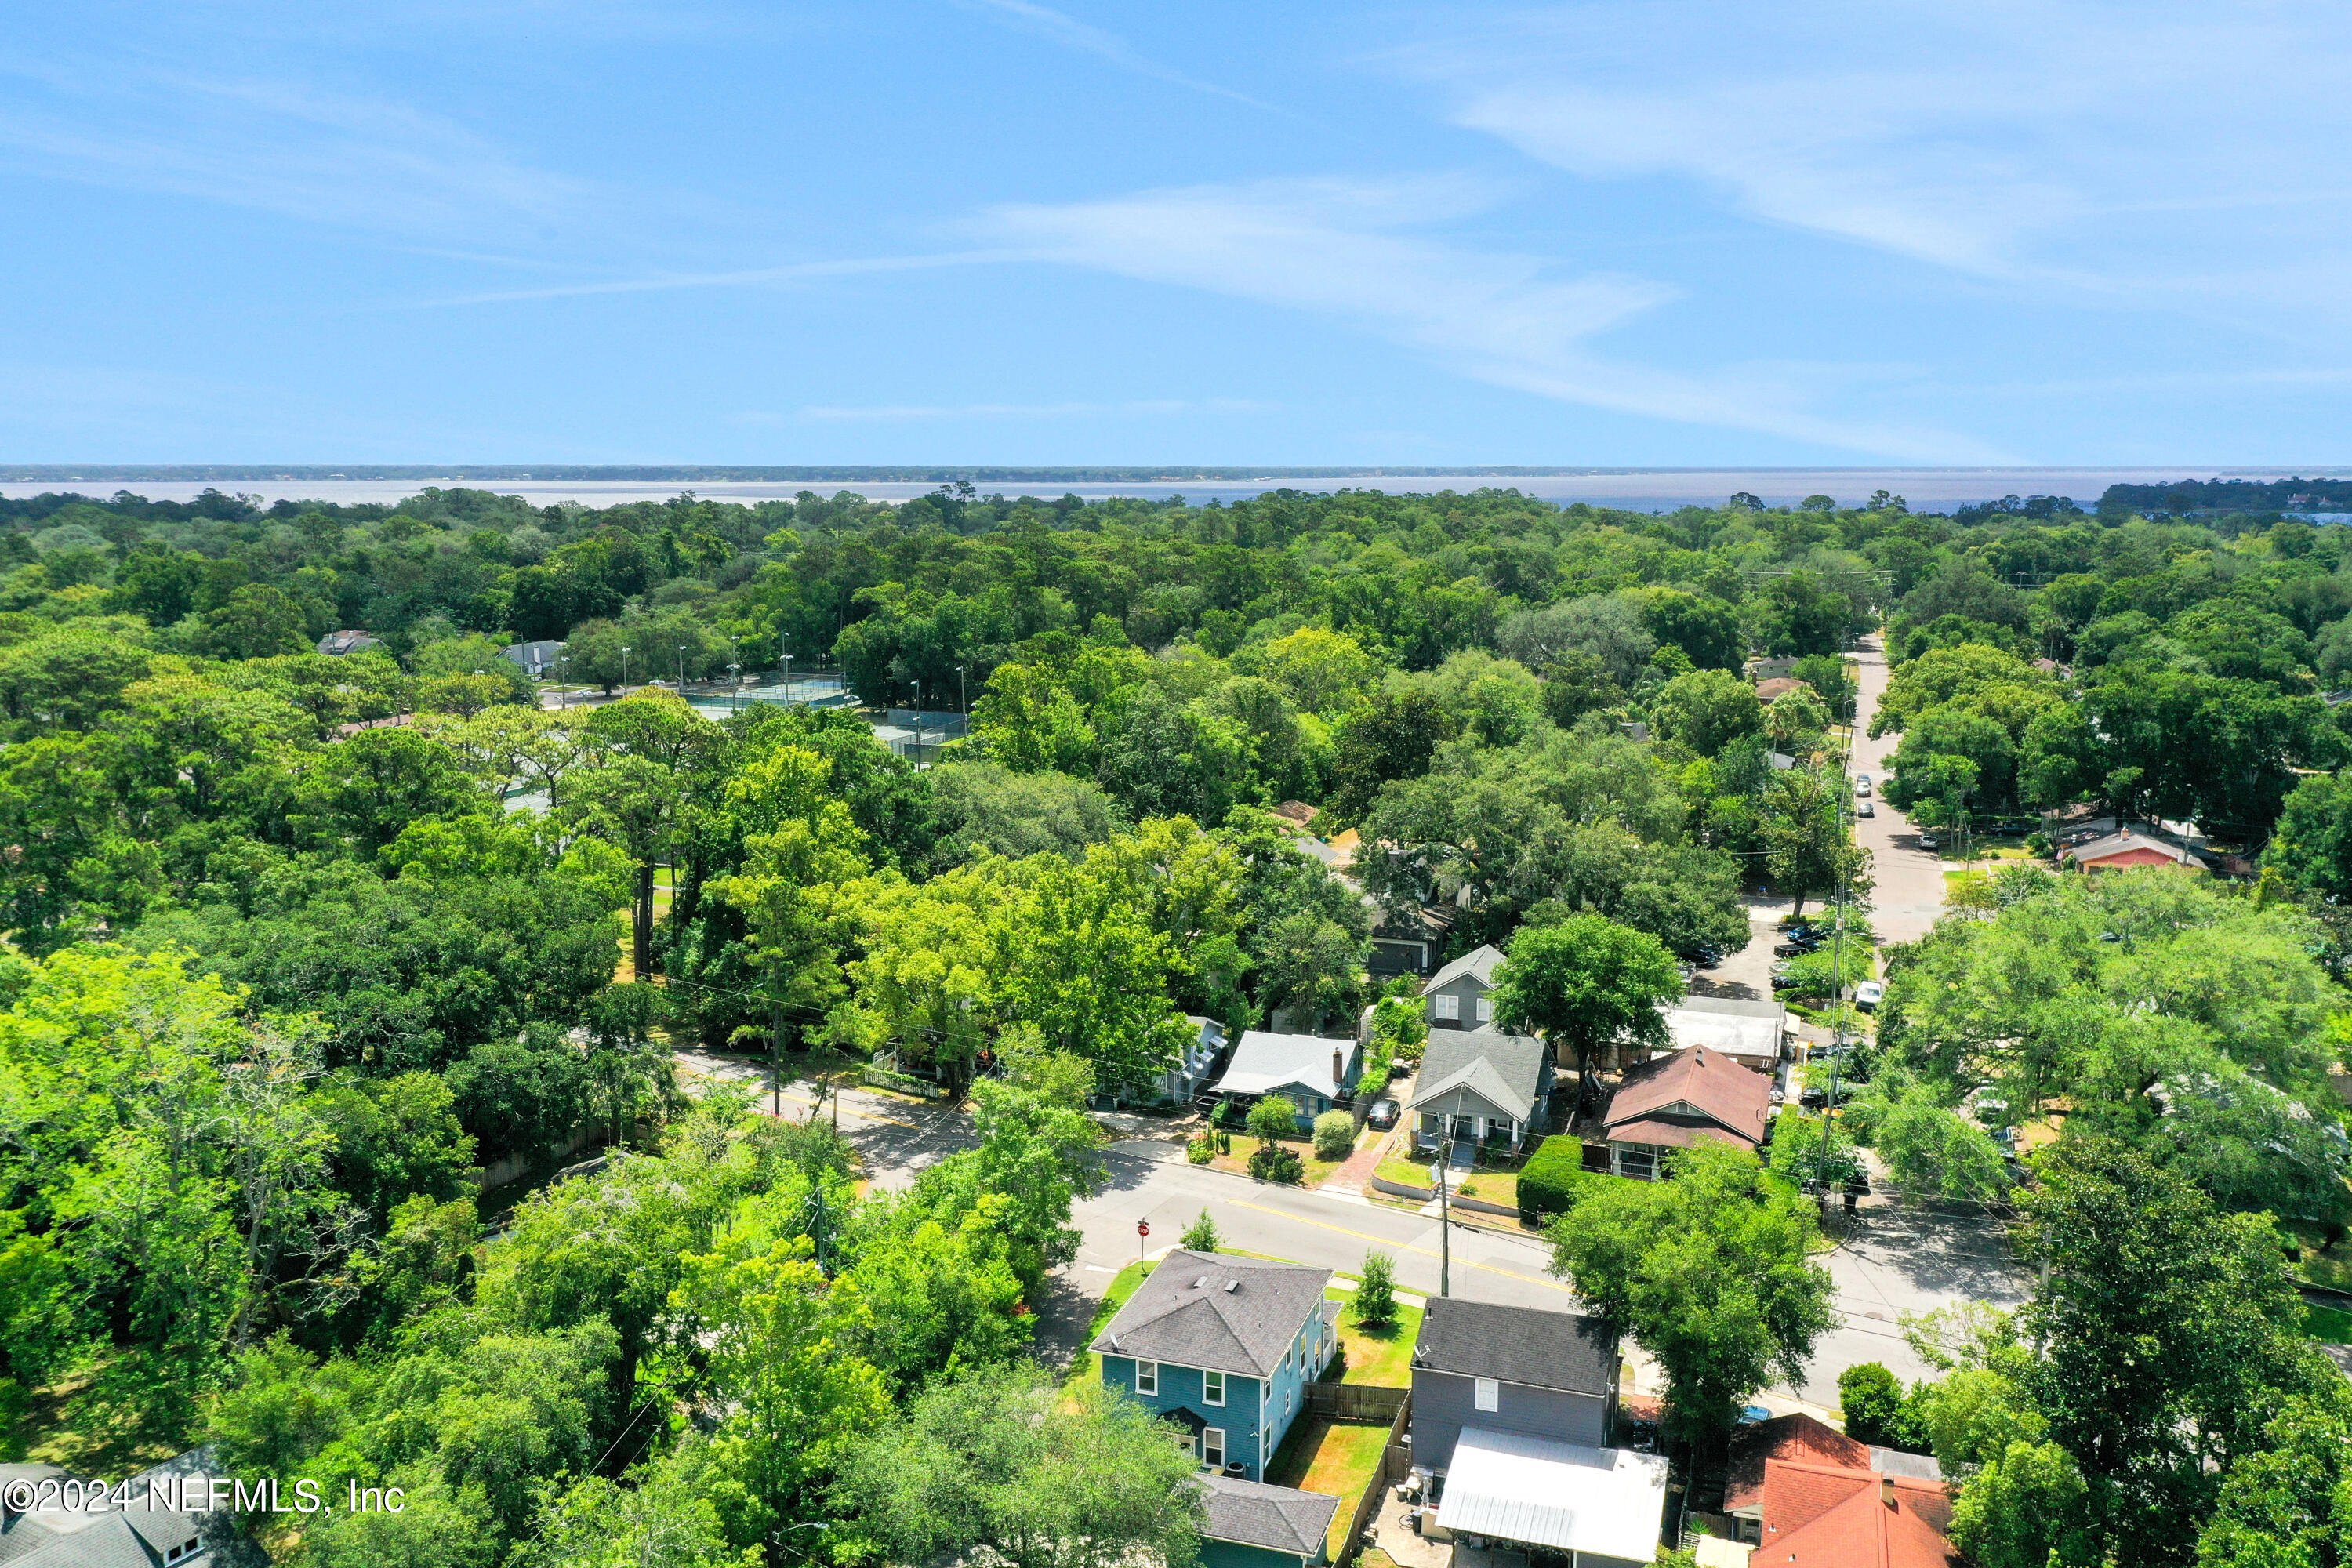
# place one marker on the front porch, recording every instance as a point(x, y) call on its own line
point(1496, 1134)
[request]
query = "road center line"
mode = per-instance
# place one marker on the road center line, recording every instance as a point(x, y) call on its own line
point(1400, 1245)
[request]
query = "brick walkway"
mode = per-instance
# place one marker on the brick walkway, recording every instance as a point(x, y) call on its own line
point(1355, 1172)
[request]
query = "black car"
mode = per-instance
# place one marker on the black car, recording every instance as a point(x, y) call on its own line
point(1797, 949)
point(1784, 981)
point(1816, 1098)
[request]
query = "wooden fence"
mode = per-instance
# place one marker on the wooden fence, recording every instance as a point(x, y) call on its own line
point(1396, 1460)
point(1354, 1401)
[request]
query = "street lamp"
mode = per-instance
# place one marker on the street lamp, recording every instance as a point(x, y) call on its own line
point(563, 684)
point(681, 669)
point(735, 697)
point(624, 669)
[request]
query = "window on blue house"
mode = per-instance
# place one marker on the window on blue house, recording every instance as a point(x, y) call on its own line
point(1147, 1377)
point(1212, 1388)
point(1212, 1448)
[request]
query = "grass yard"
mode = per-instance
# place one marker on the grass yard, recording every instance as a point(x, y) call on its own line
point(1492, 1186)
point(1397, 1168)
point(1317, 1173)
point(1086, 1367)
point(1381, 1358)
point(1338, 1458)
point(2327, 1323)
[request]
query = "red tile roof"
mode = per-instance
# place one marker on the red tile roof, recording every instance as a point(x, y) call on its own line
point(1822, 1516)
point(1801, 1438)
point(1716, 1085)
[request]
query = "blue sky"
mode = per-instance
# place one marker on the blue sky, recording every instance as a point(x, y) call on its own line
point(995, 231)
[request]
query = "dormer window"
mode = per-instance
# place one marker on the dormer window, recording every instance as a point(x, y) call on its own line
point(1449, 1007)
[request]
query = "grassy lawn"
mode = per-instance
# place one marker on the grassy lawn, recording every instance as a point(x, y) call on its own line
point(1338, 1458)
point(1492, 1186)
point(1381, 1358)
point(1398, 1169)
point(1318, 1172)
point(2327, 1323)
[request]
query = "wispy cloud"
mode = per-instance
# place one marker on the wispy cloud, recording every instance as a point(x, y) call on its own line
point(748, 277)
point(365, 162)
point(2059, 141)
point(1131, 409)
point(1071, 33)
point(1349, 250)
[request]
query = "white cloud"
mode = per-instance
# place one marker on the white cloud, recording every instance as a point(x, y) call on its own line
point(1070, 33)
point(1345, 249)
point(365, 162)
point(2155, 148)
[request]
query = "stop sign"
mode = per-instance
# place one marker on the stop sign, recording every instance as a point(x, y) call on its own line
point(1143, 1227)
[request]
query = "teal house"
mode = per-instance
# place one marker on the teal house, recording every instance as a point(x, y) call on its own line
point(1224, 1347)
point(1251, 1525)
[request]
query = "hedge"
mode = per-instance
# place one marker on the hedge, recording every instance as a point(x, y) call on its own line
point(1549, 1179)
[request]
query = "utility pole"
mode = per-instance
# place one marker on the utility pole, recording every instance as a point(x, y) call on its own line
point(1445, 1215)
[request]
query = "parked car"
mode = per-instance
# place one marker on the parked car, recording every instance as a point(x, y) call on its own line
point(1815, 1098)
point(1383, 1115)
point(1784, 981)
point(1869, 995)
point(1864, 808)
point(1862, 785)
point(1927, 841)
point(1796, 948)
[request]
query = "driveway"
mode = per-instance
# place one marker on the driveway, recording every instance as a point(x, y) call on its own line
point(1910, 893)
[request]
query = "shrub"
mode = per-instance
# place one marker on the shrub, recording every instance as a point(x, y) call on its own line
point(1200, 1236)
point(1376, 1295)
point(1547, 1182)
point(1276, 1162)
point(1335, 1134)
point(1200, 1150)
point(1273, 1117)
point(1872, 1398)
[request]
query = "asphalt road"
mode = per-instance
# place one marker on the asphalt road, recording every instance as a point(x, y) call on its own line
point(1910, 893)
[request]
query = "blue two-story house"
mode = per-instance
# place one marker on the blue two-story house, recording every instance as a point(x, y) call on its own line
point(1224, 1347)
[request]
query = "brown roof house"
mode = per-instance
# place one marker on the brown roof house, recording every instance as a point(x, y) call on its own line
point(1670, 1103)
point(1802, 1492)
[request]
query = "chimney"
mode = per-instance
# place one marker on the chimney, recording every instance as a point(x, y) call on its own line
point(1886, 1491)
point(1338, 1069)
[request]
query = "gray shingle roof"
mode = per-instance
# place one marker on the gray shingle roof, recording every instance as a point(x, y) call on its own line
point(1518, 1344)
point(1505, 1070)
point(1184, 1314)
point(1480, 962)
point(1279, 1518)
point(1265, 1062)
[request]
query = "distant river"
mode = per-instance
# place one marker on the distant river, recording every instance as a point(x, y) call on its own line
point(1639, 489)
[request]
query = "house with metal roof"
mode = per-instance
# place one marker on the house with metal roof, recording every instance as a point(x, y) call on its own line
point(1670, 1103)
point(1458, 995)
point(1480, 1087)
point(1313, 1072)
point(1224, 1346)
point(1253, 1525)
point(1598, 1508)
point(1753, 1033)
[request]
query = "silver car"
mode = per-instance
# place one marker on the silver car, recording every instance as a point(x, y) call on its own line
point(1864, 808)
point(1862, 785)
